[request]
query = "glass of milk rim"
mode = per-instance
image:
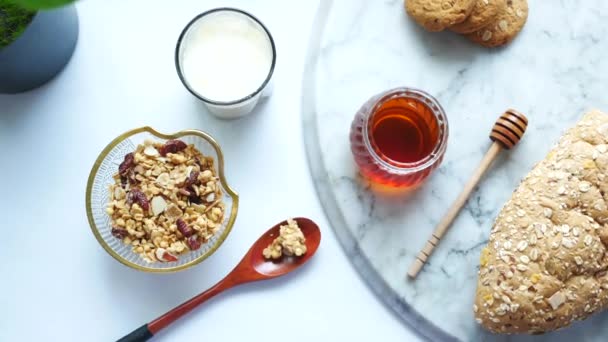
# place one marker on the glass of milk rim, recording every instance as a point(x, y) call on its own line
point(226, 58)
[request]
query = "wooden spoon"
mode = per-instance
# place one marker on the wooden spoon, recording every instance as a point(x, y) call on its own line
point(253, 267)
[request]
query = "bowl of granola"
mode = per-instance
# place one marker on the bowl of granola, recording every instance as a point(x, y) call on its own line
point(160, 202)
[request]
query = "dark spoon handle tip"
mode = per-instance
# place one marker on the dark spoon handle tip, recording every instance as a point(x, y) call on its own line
point(140, 334)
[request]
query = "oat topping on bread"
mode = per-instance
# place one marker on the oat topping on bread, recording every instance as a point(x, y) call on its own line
point(545, 264)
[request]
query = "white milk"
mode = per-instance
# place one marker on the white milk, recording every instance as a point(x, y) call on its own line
point(225, 56)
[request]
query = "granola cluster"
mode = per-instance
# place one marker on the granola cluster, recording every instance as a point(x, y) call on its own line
point(291, 241)
point(166, 200)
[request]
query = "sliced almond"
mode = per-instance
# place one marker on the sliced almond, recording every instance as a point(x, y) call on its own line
point(210, 198)
point(158, 205)
point(163, 179)
point(151, 151)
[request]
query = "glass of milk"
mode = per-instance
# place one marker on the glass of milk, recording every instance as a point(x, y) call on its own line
point(226, 58)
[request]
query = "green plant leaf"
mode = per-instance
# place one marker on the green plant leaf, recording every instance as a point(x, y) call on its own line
point(13, 21)
point(41, 4)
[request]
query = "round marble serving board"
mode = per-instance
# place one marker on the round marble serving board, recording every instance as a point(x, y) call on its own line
point(553, 72)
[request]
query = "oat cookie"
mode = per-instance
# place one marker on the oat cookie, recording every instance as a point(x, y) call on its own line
point(436, 15)
point(505, 26)
point(545, 265)
point(483, 14)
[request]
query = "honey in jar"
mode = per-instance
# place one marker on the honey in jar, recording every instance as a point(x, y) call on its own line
point(399, 137)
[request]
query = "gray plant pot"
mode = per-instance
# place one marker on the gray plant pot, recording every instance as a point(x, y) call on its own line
point(41, 52)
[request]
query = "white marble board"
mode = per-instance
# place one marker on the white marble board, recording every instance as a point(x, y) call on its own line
point(554, 71)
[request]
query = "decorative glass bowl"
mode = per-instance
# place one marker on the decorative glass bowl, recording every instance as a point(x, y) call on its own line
point(97, 196)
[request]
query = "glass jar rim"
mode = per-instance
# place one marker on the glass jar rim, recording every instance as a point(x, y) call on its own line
point(179, 67)
point(440, 146)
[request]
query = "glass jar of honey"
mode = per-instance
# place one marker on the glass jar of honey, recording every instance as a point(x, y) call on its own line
point(399, 137)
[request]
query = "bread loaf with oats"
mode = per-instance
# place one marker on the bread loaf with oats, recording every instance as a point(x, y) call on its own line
point(545, 264)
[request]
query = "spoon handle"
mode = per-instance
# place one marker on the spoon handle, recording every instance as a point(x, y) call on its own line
point(506, 132)
point(146, 331)
point(140, 334)
point(448, 218)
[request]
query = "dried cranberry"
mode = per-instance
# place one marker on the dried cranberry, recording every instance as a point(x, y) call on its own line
point(172, 146)
point(119, 233)
point(123, 182)
point(193, 243)
point(198, 162)
point(135, 195)
point(126, 165)
point(168, 257)
point(193, 197)
point(191, 194)
point(192, 179)
point(132, 179)
point(184, 228)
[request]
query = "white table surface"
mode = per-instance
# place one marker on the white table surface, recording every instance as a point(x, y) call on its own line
point(57, 283)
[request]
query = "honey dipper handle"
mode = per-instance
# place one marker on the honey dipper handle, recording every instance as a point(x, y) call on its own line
point(446, 221)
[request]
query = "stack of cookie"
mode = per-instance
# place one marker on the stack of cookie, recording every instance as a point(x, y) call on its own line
point(489, 23)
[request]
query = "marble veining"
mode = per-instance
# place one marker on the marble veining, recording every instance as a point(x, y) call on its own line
point(553, 72)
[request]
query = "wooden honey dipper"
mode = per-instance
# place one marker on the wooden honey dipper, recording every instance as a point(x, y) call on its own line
point(507, 131)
